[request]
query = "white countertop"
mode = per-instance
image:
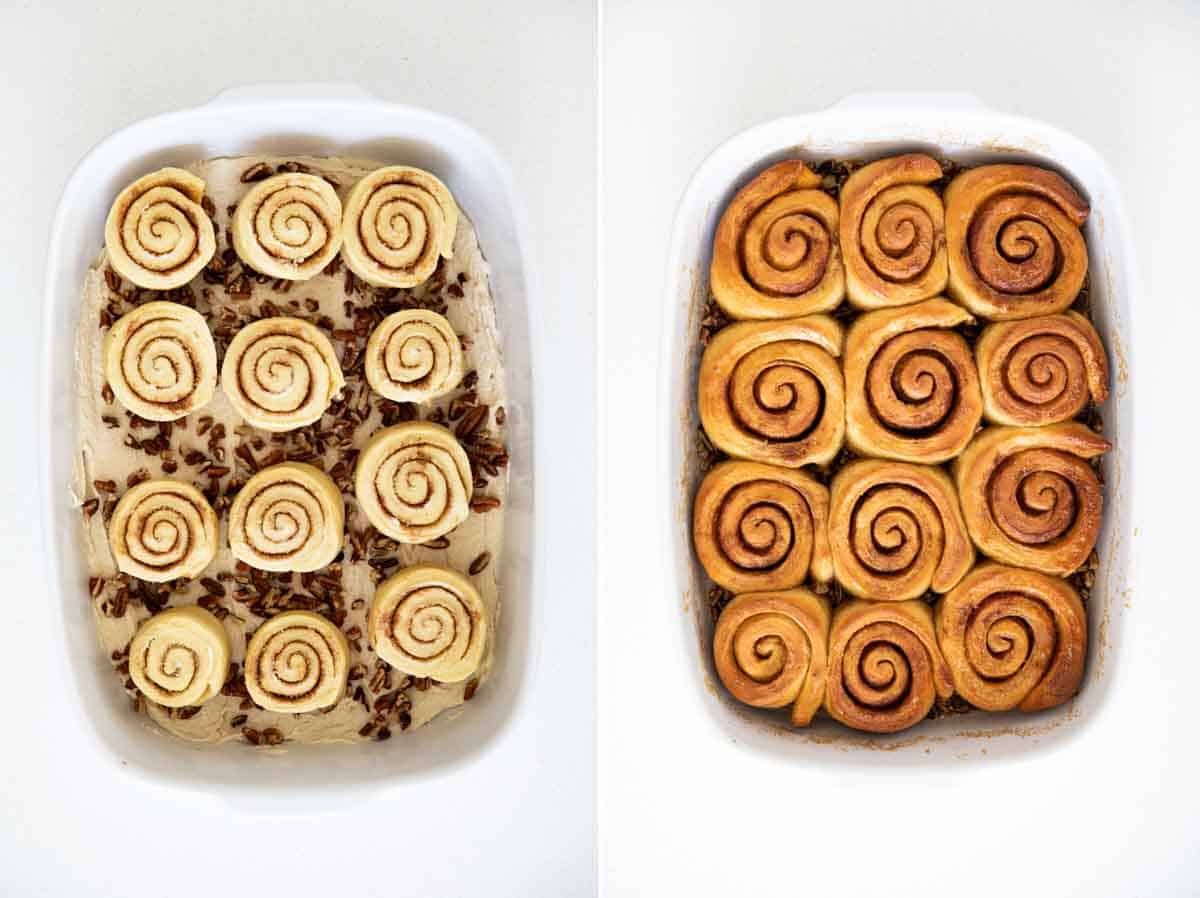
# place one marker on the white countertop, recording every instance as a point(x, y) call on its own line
point(686, 812)
point(521, 819)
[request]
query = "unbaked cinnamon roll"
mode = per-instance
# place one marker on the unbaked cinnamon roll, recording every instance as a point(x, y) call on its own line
point(288, 226)
point(885, 667)
point(1030, 497)
point(770, 650)
point(162, 530)
point(760, 527)
point(288, 517)
point(281, 373)
point(1040, 370)
point(413, 355)
point(429, 621)
point(1015, 247)
point(157, 235)
point(160, 361)
point(776, 254)
point(179, 657)
point(398, 222)
point(912, 392)
point(1013, 638)
point(295, 662)
point(896, 531)
point(772, 391)
point(413, 482)
point(893, 232)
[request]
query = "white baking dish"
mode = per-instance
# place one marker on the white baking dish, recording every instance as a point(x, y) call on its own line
point(301, 119)
point(870, 126)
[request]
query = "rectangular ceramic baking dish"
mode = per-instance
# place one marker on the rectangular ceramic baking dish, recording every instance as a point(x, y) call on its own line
point(322, 120)
point(871, 126)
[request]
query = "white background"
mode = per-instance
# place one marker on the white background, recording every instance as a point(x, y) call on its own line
point(685, 812)
point(521, 820)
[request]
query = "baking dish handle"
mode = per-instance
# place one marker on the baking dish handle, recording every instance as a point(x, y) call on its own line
point(901, 100)
point(268, 92)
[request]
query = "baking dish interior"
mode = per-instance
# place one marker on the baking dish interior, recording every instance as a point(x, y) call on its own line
point(973, 137)
point(325, 126)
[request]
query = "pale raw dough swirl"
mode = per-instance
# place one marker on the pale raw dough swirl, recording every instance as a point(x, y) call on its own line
point(1014, 240)
point(429, 621)
point(180, 657)
point(1013, 638)
point(281, 373)
point(289, 226)
point(413, 355)
point(772, 391)
point(296, 662)
point(413, 482)
point(775, 253)
point(157, 234)
point(885, 667)
point(162, 530)
point(398, 222)
point(288, 517)
point(770, 648)
point(893, 232)
point(160, 361)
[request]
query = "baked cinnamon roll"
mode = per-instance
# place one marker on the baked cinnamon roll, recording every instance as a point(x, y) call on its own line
point(896, 531)
point(179, 657)
point(885, 667)
point(162, 530)
point(288, 226)
point(1040, 370)
point(399, 221)
point(912, 392)
point(296, 662)
point(281, 373)
point(429, 621)
point(1013, 638)
point(1030, 497)
point(759, 527)
point(157, 234)
point(770, 650)
point(772, 391)
point(893, 232)
point(288, 517)
point(1015, 247)
point(160, 361)
point(776, 254)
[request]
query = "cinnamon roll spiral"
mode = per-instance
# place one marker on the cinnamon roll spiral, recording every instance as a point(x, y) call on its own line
point(288, 517)
point(413, 481)
point(776, 254)
point(893, 232)
point(429, 622)
point(1040, 370)
point(759, 527)
point(160, 361)
point(288, 226)
point(885, 667)
point(413, 356)
point(772, 391)
point(912, 391)
point(281, 373)
point(162, 530)
point(180, 657)
point(770, 650)
point(157, 235)
point(1030, 497)
point(1013, 638)
point(1015, 247)
point(398, 222)
point(295, 662)
point(896, 531)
